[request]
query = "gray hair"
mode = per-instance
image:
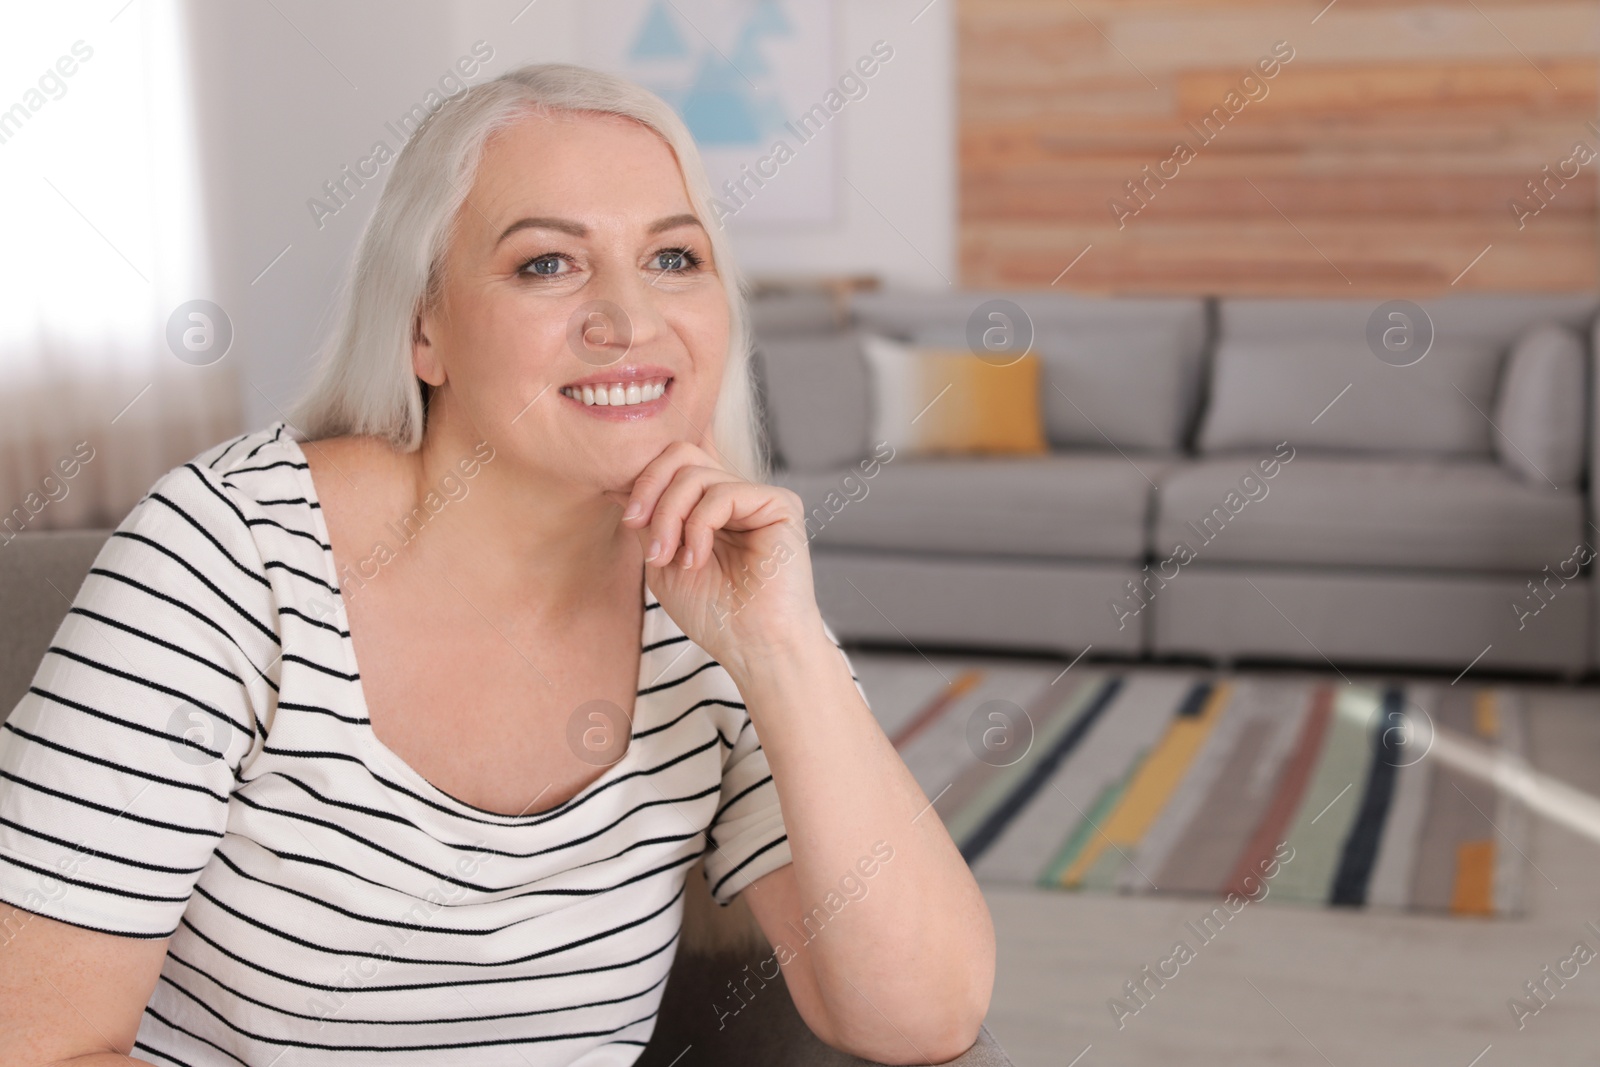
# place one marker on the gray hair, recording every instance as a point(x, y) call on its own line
point(364, 383)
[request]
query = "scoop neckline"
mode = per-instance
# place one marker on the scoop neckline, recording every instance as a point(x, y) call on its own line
point(393, 761)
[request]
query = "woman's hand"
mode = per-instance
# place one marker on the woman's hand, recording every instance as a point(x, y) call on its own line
point(726, 557)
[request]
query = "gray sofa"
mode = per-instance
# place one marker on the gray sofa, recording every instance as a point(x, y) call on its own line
point(1398, 529)
point(39, 572)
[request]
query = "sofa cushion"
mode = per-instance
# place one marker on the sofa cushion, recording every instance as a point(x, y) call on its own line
point(1302, 371)
point(1333, 395)
point(1540, 409)
point(1118, 372)
point(1332, 511)
point(817, 394)
point(1080, 506)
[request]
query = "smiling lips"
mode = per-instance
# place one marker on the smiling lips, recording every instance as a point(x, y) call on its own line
point(629, 392)
point(617, 394)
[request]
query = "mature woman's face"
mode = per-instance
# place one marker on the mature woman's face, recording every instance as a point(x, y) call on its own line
point(578, 275)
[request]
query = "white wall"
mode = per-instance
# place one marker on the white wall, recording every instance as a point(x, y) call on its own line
point(288, 99)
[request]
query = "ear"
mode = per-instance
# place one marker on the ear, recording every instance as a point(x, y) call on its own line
point(425, 362)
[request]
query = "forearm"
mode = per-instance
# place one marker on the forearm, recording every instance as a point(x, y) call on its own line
point(911, 960)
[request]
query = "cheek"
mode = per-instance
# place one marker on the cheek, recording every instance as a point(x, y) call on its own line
point(495, 343)
point(703, 326)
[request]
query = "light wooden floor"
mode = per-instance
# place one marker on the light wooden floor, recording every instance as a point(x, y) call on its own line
point(1285, 985)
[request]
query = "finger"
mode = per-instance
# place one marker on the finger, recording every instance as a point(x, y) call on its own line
point(645, 495)
point(680, 497)
point(731, 505)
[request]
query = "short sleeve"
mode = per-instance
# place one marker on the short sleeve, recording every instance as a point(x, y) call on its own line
point(117, 765)
point(747, 836)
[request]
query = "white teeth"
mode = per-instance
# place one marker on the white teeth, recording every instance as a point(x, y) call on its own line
point(618, 394)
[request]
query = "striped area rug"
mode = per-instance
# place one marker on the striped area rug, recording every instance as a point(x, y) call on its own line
point(1167, 781)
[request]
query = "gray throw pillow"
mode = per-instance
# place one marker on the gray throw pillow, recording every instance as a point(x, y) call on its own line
point(818, 399)
point(1539, 411)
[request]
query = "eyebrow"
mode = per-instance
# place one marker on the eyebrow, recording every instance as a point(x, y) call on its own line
point(578, 229)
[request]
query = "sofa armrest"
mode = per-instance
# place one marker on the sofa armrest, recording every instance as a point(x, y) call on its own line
point(986, 1052)
point(700, 1011)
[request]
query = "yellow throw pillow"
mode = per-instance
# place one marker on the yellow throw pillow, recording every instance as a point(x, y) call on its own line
point(944, 401)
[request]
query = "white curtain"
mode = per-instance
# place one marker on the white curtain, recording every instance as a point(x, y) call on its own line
point(103, 242)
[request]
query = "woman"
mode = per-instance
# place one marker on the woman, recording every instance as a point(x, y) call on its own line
point(525, 495)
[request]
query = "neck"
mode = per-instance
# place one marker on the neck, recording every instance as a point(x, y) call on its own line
point(507, 533)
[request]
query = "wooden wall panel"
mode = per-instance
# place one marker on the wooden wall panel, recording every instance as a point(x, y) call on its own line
point(1382, 158)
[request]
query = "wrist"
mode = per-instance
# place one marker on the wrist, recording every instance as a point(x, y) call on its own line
point(798, 647)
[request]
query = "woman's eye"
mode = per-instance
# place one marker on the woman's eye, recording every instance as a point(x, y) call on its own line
point(676, 260)
point(546, 265)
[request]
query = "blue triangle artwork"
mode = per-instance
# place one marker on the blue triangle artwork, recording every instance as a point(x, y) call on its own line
point(722, 100)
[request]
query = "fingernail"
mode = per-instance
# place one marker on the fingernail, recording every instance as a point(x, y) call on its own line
point(688, 557)
point(655, 550)
point(634, 510)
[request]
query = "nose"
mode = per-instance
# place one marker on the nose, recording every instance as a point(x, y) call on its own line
point(621, 317)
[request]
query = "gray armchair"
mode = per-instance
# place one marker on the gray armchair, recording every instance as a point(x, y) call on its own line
point(40, 573)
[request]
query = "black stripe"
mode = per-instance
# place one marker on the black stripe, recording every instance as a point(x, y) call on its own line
point(291, 657)
point(276, 565)
point(539, 1039)
point(1360, 853)
point(374, 846)
point(162, 1055)
point(590, 793)
point(303, 617)
point(209, 536)
point(447, 984)
point(1042, 771)
point(125, 723)
point(219, 494)
point(289, 705)
point(230, 446)
point(70, 921)
point(277, 435)
point(92, 805)
point(166, 690)
point(270, 466)
point(169, 1024)
point(291, 531)
point(740, 795)
point(400, 820)
point(392, 1022)
point(665, 641)
point(397, 924)
point(686, 712)
point(769, 846)
point(168, 645)
point(115, 891)
point(114, 576)
point(85, 850)
point(207, 582)
point(292, 939)
point(706, 666)
point(119, 768)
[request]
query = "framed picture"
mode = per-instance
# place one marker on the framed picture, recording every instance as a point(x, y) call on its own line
point(752, 80)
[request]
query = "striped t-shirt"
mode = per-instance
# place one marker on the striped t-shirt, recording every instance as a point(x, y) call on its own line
point(194, 761)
